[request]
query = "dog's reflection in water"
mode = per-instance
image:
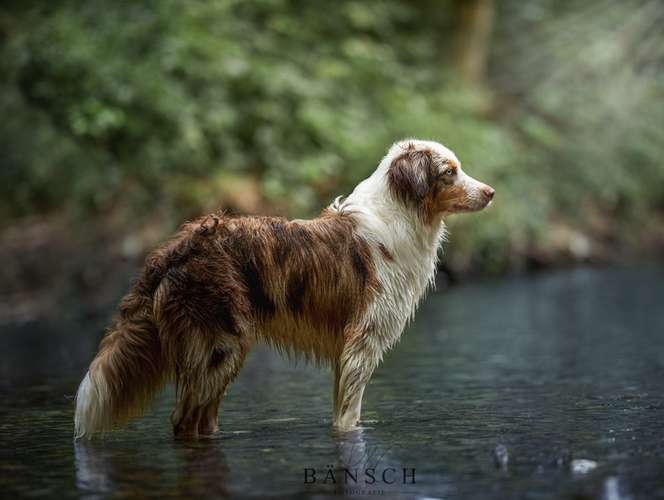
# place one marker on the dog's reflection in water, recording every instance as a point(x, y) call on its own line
point(371, 464)
point(354, 453)
point(187, 469)
point(364, 467)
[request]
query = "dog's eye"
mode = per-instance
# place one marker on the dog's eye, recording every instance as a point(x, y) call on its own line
point(449, 172)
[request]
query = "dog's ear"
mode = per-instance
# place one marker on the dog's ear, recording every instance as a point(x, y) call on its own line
point(409, 175)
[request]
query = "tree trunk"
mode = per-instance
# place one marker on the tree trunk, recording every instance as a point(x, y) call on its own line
point(473, 22)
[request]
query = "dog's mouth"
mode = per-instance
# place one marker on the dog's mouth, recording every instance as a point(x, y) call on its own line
point(468, 204)
point(486, 194)
point(468, 200)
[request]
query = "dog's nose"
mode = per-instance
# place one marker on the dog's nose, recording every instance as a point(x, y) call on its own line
point(488, 192)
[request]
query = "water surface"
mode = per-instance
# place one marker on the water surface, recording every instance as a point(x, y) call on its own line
point(499, 389)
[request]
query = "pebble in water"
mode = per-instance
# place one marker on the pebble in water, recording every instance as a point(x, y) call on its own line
point(582, 466)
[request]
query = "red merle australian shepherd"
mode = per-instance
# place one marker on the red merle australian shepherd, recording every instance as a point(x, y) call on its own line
point(338, 289)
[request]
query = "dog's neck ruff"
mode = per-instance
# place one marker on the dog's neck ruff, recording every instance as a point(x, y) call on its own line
point(413, 248)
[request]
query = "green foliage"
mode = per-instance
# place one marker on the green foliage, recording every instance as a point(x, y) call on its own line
point(139, 104)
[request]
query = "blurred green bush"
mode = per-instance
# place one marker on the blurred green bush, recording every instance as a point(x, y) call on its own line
point(136, 105)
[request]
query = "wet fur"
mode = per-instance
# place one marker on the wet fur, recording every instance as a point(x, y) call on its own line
point(337, 289)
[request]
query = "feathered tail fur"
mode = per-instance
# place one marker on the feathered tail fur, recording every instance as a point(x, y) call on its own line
point(126, 372)
point(129, 367)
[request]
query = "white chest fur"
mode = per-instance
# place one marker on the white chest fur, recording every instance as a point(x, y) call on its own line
point(413, 246)
point(404, 275)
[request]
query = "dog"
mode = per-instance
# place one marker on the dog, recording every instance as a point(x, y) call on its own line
point(338, 289)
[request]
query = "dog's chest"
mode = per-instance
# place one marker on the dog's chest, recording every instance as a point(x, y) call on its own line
point(403, 283)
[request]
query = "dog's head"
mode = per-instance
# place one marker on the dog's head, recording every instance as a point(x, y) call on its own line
point(427, 177)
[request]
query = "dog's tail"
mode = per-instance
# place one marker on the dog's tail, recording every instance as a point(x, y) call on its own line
point(126, 372)
point(130, 366)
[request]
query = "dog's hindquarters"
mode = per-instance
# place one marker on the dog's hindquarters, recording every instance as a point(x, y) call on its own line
point(172, 325)
point(202, 328)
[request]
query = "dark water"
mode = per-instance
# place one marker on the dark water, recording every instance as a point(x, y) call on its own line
point(498, 390)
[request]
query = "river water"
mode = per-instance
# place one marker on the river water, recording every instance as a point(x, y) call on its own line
point(549, 386)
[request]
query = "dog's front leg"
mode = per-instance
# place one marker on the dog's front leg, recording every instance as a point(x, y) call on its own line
point(351, 375)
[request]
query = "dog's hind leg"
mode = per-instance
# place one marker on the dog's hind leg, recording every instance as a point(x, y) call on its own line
point(202, 327)
point(352, 372)
point(201, 387)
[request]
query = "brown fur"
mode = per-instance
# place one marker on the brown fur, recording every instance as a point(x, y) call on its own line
point(222, 283)
point(387, 255)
